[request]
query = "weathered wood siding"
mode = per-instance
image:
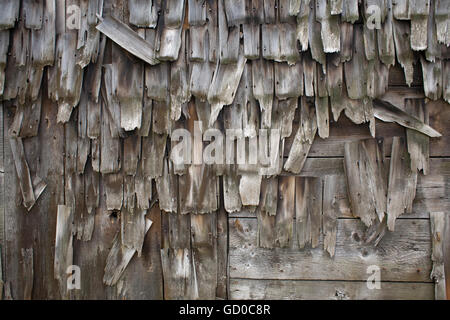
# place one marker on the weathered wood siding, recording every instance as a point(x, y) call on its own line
point(91, 92)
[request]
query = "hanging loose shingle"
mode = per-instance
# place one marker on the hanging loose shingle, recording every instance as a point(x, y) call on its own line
point(303, 138)
point(119, 257)
point(224, 85)
point(402, 182)
point(385, 37)
point(387, 112)
point(263, 88)
point(231, 197)
point(167, 185)
point(128, 39)
point(366, 180)
point(418, 143)
point(403, 49)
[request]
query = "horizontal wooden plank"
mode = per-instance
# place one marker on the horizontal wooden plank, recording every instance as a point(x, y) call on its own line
point(431, 194)
point(250, 289)
point(403, 255)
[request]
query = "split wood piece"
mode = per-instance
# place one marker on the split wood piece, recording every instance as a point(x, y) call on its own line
point(279, 43)
point(303, 25)
point(263, 88)
point(131, 154)
point(350, 11)
point(438, 223)
point(405, 55)
point(249, 188)
point(231, 196)
point(10, 14)
point(432, 78)
point(387, 112)
point(224, 86)
point(153, 151)
point(113, 184)
point(167, 186)
point(385, 37)
point(418, 13)
point(110, 147)
point(370, 42)
point(157, 81)
point(63, 246)
point(4, 44)
point(161, 123)
point(196, 12)
point(27, 272)
point(288, 80)
point(43, 39)
point(315, 40)
point(401, 9)
point(330, 27)
point(446, 80)
point(133, 229)
point(26, 120)
point(198, 190)
point(308, 210)
point(356, 69)
point(229, 37)
point(119, 257)
point(377, 79)
point(442, 10)
point(418, 143)
point(128, 39)
point(284, 219)
point(283, 113)
point(435, 49)
point(204, 255)
point(179, 81)
point(346, 51)
point(23, 172)
point(93, 79)
point(269, 196)
point(128, 87)
point(111, 106)
point(201, 76)
point(330, 213)
point(322, 114)
point(143, 189)
point(177, 273)
point(144, 13)
point(304, 138)
point(251, 40)
point(147, 110)
point(402, 182)
point(65, 78)
point(91, 189)
point(88, 36)
point(366, 180)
